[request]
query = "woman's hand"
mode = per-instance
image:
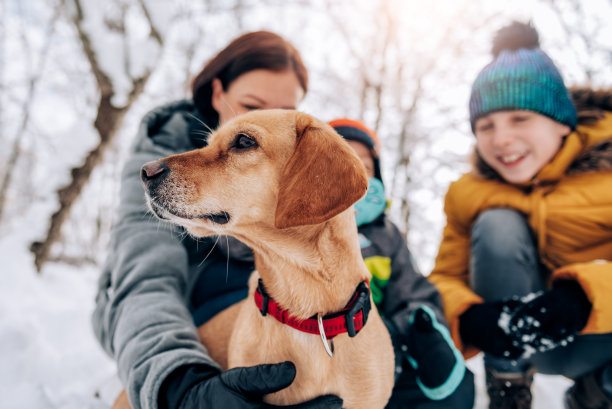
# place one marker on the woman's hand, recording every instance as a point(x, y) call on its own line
point(195, 387)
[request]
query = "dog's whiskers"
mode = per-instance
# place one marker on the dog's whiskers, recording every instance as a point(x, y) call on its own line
point(230, 107)
point(227, 263)
point(209, 252)
point(205, 135)
point(210, 130)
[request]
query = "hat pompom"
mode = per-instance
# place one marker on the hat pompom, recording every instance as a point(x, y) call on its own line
point(515, 36)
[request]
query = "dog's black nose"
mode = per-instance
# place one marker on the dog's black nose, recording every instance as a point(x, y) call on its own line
point(152, 173)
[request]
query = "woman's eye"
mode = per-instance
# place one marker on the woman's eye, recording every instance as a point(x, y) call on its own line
point(243, 142)
point(250, 107)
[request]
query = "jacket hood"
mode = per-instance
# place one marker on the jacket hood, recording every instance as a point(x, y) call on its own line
point(594, 106)
point(591, 105)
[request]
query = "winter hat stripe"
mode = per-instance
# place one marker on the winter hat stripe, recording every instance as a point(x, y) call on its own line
point(357, 131)
point(353, 130)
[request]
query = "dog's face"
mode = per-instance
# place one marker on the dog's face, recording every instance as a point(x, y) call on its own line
point(264, 169)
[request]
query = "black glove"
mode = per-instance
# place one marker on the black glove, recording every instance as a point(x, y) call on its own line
point(200, 386)
point(550, 319)
point(432, 354)
point(479, 326)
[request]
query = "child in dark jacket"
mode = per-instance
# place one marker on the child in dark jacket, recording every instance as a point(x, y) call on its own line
point(430, 372)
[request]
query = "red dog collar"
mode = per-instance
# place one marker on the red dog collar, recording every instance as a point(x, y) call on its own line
point(351, 319)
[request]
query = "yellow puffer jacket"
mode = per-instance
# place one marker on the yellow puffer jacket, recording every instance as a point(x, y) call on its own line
point(569, 211)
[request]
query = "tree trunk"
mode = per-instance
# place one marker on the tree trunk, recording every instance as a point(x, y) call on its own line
point(108, 121)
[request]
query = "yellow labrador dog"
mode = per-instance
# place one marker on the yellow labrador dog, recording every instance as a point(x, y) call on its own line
point(284, 183)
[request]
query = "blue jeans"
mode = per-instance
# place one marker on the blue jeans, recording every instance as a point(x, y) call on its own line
point(504, 263)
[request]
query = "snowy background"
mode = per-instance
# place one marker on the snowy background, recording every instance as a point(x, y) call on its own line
point(403, 67)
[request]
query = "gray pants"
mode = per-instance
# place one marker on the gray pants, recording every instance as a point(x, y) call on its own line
point(504, 263)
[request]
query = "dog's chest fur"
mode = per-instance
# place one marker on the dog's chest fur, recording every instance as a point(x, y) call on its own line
point(361, 370)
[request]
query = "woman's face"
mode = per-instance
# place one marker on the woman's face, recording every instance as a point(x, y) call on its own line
point(518, 144)
point(257, 89)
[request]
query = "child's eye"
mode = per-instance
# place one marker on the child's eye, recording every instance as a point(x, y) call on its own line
point(250, 107)
point(520, 118)
point(484, 127)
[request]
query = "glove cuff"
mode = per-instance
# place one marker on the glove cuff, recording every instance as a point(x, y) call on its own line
point(180, 381)
point(466, 324)
point(573, 294)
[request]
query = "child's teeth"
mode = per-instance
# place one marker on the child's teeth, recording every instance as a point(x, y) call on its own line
point(510, 158)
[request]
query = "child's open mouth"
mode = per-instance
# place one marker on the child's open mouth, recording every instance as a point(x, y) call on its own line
point(512, 160)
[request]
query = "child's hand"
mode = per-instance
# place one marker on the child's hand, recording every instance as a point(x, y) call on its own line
point(481, 326)
point(550, 319)
point(438, 364)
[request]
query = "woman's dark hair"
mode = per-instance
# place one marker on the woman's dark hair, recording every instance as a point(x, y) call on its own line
point(250, 51)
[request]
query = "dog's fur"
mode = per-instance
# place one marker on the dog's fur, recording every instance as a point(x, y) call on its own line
point(289, 198)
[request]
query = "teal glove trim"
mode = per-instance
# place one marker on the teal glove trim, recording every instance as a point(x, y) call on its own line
point(458, 372)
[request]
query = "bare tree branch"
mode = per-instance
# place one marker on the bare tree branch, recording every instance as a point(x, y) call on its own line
point(15, 151)
point(154, 31)
point(107, 122)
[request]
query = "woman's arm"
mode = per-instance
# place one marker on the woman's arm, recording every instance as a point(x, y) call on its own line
point(141, 316)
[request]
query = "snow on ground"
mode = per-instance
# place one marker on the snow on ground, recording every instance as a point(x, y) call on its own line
point(547, 390)
point(49, 356)
point(51, 360)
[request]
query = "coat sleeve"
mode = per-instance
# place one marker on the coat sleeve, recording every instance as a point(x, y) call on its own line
point(451, 271)
point(141, 316)
point(595, 278)
point(407, 289)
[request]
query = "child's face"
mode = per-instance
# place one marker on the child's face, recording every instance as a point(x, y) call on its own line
point(517, 144)
point(364, 154)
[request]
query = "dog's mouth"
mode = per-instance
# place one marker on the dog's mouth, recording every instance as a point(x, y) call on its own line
point(165, 213)
point(219, 218)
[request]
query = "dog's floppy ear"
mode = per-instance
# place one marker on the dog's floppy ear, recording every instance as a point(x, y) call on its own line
point(322, 178)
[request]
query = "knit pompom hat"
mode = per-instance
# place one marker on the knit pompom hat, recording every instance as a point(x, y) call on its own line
point(354, 130)
point(523, 77)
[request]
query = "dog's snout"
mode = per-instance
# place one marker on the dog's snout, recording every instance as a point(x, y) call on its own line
point(152, 170)
point(152, 173)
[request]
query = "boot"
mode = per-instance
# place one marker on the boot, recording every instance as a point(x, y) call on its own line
point(587, 394)
point(509, 390)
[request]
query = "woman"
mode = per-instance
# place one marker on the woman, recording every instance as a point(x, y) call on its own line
point(522, 265)
point(159, 285)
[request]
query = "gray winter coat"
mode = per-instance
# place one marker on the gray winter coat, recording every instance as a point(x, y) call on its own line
point(142, 316)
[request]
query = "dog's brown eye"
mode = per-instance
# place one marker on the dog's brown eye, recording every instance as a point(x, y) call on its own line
point(243, 142)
